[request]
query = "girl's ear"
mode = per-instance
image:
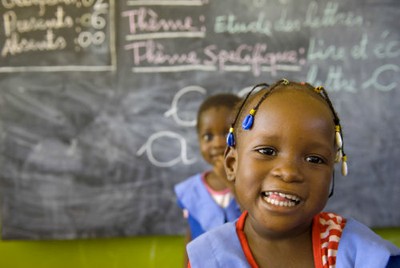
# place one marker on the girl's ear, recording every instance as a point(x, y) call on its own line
point(230, 163)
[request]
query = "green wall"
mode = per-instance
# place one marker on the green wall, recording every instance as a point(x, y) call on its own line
point(133, 252)
point(136, 252)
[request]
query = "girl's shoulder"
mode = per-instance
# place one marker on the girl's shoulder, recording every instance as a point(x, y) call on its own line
point(360, 246)
point(192, 181)
point(218, 246)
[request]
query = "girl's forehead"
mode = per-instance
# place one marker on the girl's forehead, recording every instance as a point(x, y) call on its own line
point(291, 106)
point(301, 116)
point(292, 97)
point(216, 111)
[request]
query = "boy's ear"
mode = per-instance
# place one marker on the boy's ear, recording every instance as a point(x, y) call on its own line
point(230, 163)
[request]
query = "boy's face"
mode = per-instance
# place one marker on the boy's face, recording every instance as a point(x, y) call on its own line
point(282, 168)
point(213, 127)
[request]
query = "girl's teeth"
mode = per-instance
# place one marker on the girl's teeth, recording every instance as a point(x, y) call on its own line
point(291, 200)
point(280, 203)
point(288, 196)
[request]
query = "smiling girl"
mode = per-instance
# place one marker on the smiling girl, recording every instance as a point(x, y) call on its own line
point(281, 166)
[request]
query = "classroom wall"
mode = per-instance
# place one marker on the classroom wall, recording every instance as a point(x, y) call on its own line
point(133, 252)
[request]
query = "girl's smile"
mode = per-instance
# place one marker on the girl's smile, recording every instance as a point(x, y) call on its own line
point(280, 199)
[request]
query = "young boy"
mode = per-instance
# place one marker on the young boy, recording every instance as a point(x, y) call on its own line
point(205, 198)
point(281, 164)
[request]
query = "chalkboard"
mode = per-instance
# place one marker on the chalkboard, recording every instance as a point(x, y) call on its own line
point(98, 102)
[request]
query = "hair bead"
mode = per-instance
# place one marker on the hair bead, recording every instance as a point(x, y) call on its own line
point(285, 82)
point(230, 138)
point(318, 89)
point(338, 138)
point(248, 120)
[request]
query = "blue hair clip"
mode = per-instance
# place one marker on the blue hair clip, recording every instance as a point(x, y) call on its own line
point(248, 120)
point(230, 139)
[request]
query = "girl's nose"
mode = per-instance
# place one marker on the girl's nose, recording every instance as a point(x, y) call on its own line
point(288, 170)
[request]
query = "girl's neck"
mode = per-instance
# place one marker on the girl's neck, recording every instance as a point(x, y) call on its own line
point(214, 181)
point(296, 251)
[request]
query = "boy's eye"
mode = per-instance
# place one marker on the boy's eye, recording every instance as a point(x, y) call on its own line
point(267, 151)
point(207, 137)
point(315, 159)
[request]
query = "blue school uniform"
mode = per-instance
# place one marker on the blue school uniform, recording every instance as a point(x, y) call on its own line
point(204, 213)
point(359, 247)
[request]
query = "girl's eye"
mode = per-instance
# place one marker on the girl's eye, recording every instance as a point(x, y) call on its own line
point(267, 151)
point(207, 137)
point(315, 159)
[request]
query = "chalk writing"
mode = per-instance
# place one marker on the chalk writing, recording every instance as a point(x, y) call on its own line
point(387, 49)
point(16, 45)
point(150, 56)
point(147, 20)
point(330, 17)
point(13, 24)
point(359, 51)
point(255, 56)
point(181, 158)
point(50, 30)
point(11, 4)
point(230, 24)
point(285, 24)
point(378, 73)
point(172, 69)
point(168, 35)
point(318, 50)
point(334, 80)
point(174, 105)
point(163, 135)
point(167, 3)
point(153, 53)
